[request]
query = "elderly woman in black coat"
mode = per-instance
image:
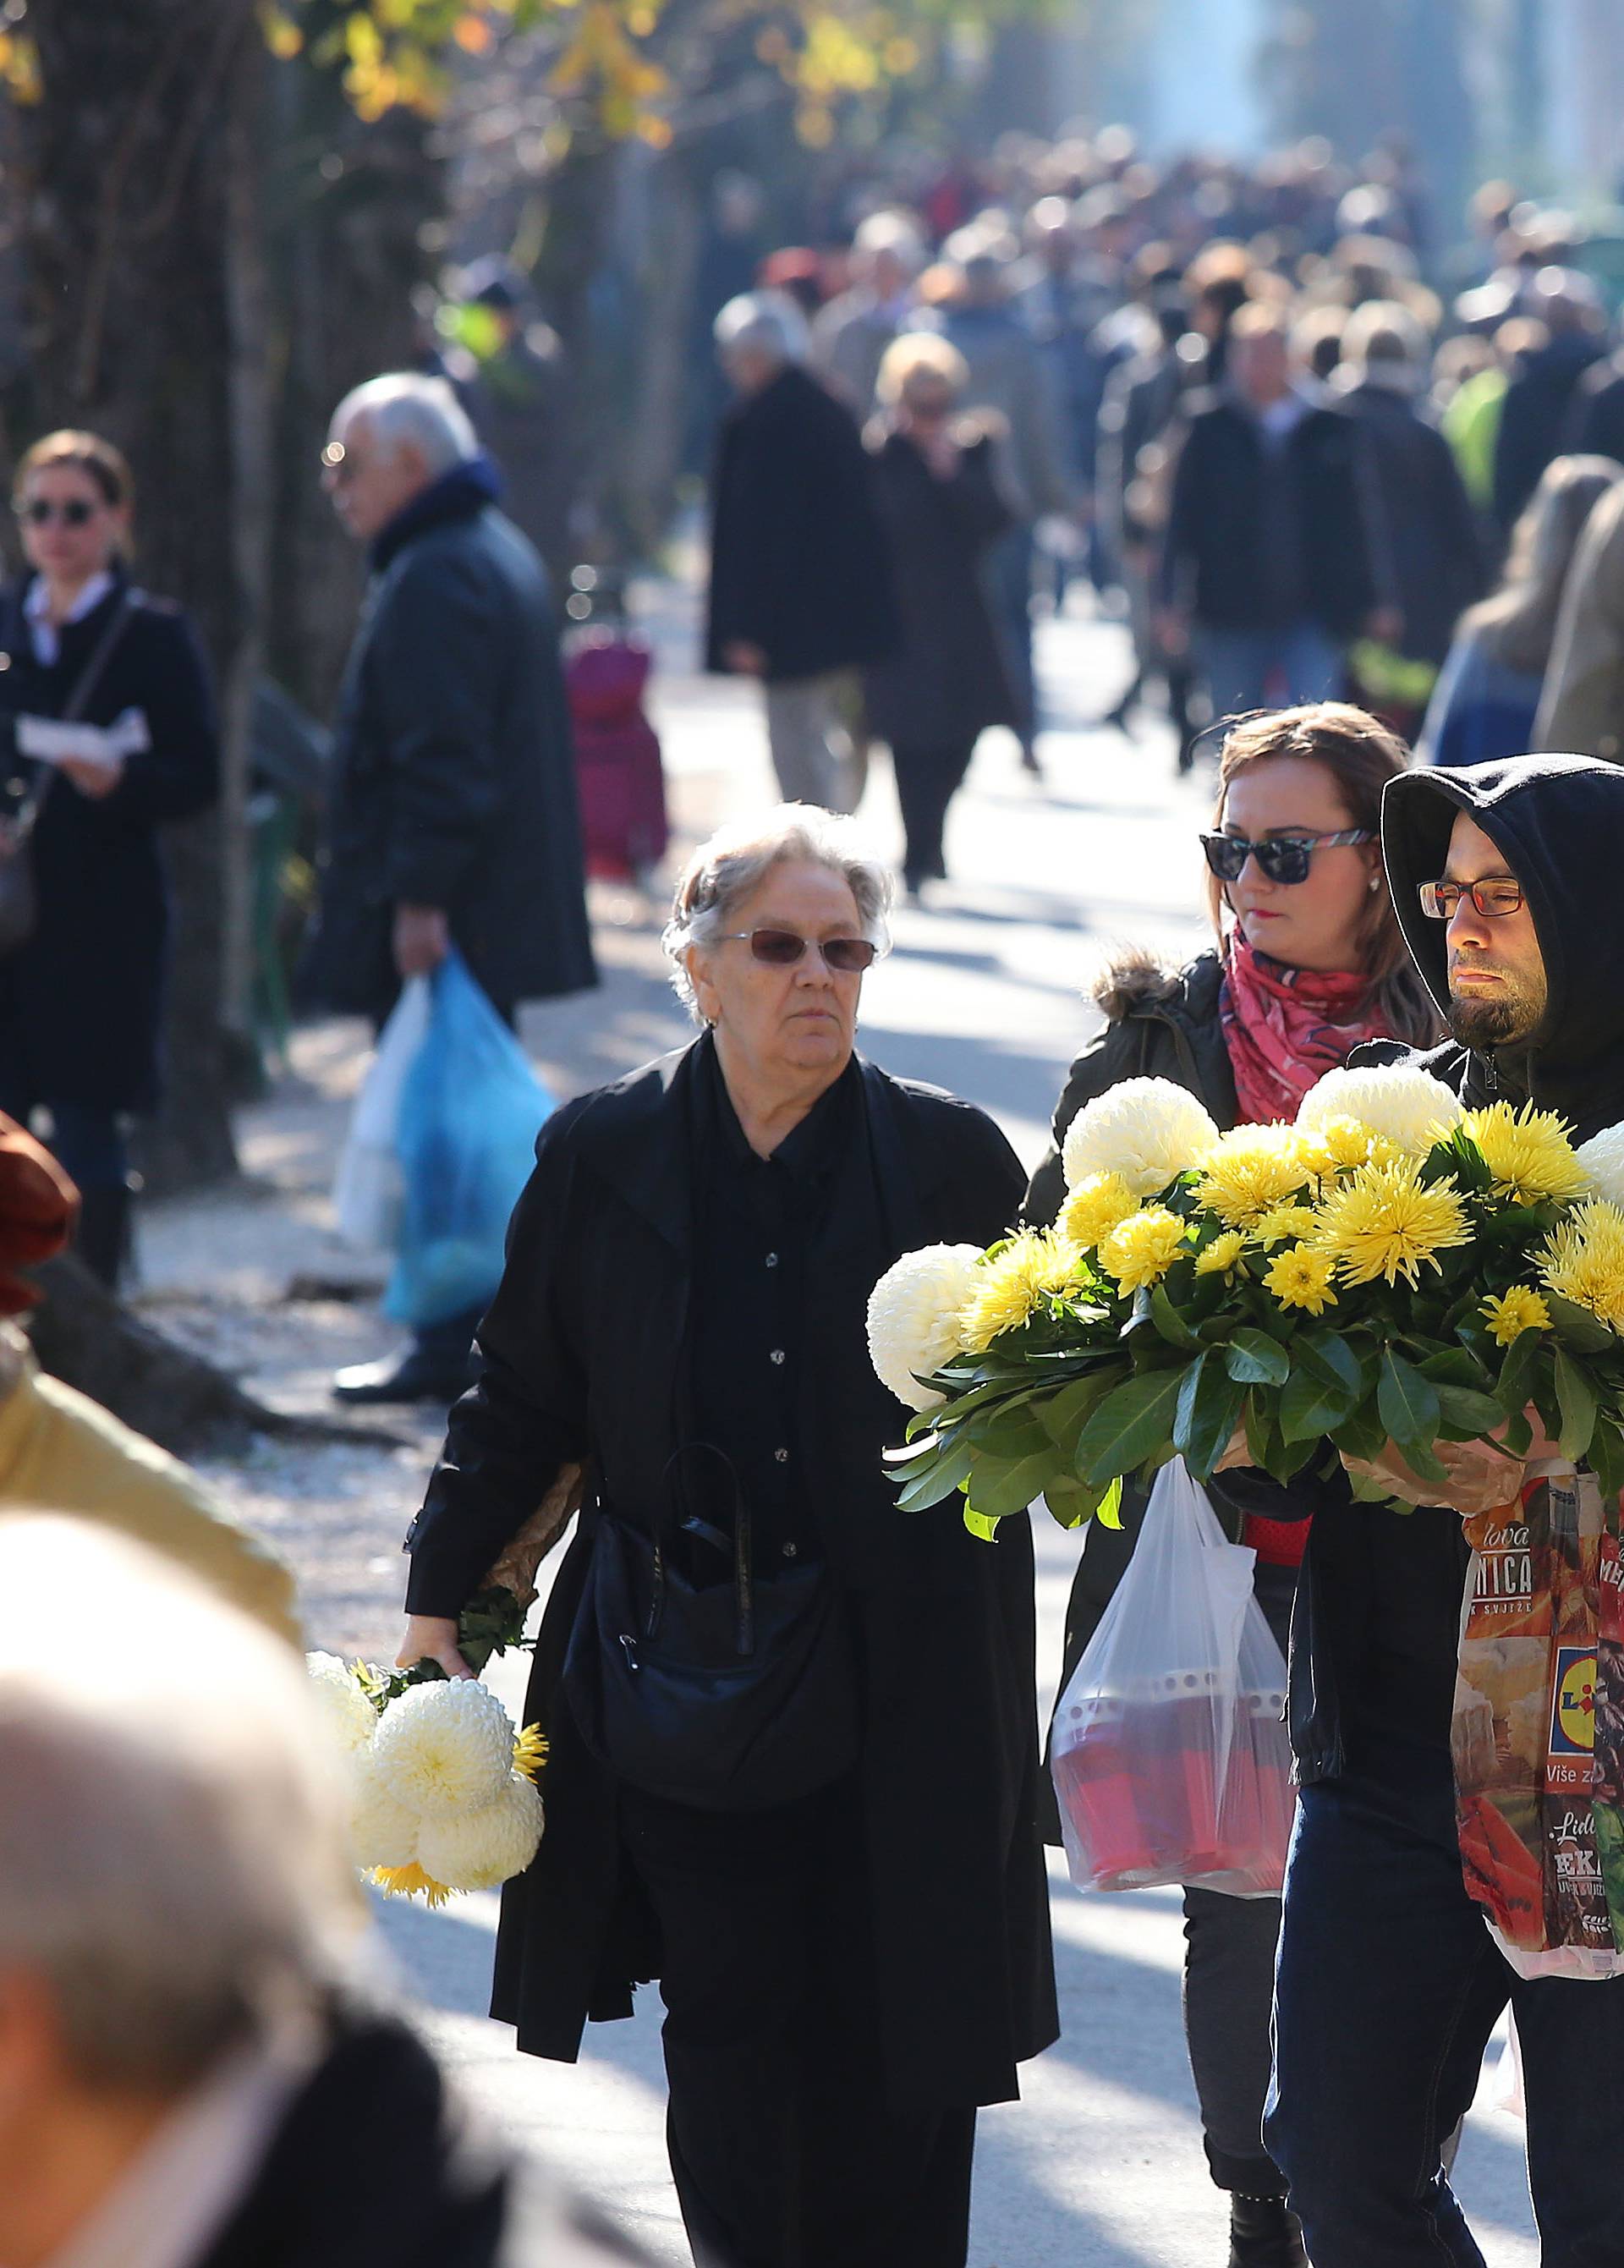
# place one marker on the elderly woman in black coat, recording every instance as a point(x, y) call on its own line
point(107, 731)
point(793, 1771)
point(935, 481)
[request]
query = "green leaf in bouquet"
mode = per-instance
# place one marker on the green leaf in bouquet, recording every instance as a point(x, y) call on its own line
point(1408, 1404)
point(999, 1486)
point(1254, 1358)
point(1455, 1365)
point(1606, 1454)
point(1062, 1415)
point(1110, 1512)
point(1327, 1357)
point(1577, 1327)
point(1309, 1406)
point(1130, 1424)
point(1362, 1433)
point(1006, 1430)
point(1516, 1434)
point(1576, 1398)
point(1072, 1502)
point(946, 1472)
point(985, 1530)
point(1171, 1323)
point(1514, 1389)
point(1206, 1414)
point(1465, 1412)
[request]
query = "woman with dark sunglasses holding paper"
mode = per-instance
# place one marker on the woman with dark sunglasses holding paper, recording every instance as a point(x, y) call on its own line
point(1310, 963)
point(107, 731)
point(793, 1773)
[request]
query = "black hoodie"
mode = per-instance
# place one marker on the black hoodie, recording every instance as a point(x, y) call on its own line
point(1560, 821)
point(1378, 1609)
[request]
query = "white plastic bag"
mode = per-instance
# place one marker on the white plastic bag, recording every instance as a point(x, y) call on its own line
point(1169, 1758)
point(368, 1189)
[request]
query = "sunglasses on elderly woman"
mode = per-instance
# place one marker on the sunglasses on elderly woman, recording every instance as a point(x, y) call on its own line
point(1282, 858)
point(782, 948)
point(76, 513)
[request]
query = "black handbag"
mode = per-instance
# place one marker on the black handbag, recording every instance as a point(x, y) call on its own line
point(20, 896)
point(731, 1695)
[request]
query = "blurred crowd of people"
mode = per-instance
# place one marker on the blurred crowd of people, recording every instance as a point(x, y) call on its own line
point(1251, 407)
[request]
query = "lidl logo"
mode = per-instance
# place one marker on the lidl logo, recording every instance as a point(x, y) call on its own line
point(1572, 1707)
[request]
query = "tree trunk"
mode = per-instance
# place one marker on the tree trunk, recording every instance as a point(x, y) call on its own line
point(126, 239)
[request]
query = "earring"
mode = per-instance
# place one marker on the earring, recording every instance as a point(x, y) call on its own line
point(1376, 881)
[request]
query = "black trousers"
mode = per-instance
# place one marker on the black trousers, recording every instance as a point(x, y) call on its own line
point(784, 2148)
point(927, 779)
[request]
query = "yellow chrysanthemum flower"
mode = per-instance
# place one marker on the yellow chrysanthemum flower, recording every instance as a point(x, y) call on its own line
point(1299, 1277)
point(1582, 1260)
point(1337, 1145)
point(1384, 1221)
point(1286, 1224)
point(410, 1882)
point(1528, 1152)
point(1220, 1255)
point(1252, 1170)
point(530, 1751)
point(1005, 1291)
point(1141, 1250)
point(1094, 1208)
point(1520, 1309)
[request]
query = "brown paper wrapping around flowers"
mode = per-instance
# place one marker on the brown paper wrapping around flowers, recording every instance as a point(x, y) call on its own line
point(516, 1570)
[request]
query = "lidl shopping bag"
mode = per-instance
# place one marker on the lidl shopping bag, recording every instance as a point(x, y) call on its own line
point(368, 1189)
point(1169, 1751)
point(1538, 1728)
point(470, 1111)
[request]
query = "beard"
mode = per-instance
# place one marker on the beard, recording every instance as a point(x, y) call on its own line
point(1512, 1014)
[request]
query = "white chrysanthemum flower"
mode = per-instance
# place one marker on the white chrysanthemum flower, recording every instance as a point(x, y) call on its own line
point(382, 1831)
point(346, 1710)
point(444, 1748)
point(914, 1318)
point(480, 1850)
point(1147, 1132)
point(1410, 1108)
point(1602, 1157)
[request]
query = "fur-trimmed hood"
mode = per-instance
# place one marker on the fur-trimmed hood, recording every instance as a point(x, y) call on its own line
point(1134, 979)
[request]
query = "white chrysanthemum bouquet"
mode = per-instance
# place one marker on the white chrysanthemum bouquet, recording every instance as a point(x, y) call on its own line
point(442, 1793)
point(1390, 1270)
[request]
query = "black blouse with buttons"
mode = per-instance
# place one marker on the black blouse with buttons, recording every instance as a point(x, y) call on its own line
point(756, 1230)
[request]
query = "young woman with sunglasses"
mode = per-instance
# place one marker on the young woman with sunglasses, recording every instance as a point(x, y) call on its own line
point(107, 731)
point(1310, 963)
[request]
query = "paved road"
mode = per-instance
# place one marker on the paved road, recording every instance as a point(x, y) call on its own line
point(1100, 2167)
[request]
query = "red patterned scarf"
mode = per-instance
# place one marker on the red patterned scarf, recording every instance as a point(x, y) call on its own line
point(1286, 1027)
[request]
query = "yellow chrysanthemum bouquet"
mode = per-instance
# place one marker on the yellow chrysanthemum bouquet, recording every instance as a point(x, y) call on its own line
point(1392, 1269)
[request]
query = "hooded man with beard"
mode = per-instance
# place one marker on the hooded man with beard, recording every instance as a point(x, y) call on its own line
point(1388, 1984)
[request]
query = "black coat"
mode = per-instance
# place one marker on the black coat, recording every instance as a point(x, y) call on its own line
point(453, 775)
point(947, 682)
point(581, 1355)
point(1429, 558)
point(797, 559)
point(375, 2159)
point(1534, 417)
point(81, 1004)
point(1216, 560)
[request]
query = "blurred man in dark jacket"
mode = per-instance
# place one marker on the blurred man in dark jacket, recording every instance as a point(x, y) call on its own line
point(800, 591)
point(1265, 567)
point(452, 816)
point(519, 402)
point(1539, 400)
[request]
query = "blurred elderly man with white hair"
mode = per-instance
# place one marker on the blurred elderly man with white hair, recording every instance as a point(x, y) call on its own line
point(850, 337)
point(187, 2080)
point(800, 584)
point(453, 817)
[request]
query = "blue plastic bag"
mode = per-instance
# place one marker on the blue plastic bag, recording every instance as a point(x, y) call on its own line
point(470, 1111)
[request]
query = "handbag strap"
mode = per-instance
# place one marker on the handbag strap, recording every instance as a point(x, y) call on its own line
point(26, 817)
point(744, 1576)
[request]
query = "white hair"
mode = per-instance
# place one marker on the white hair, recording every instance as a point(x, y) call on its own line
point(174, 1861)
point(766, 323)
point(406, 410)
point(725, 871)
point(893, 232)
